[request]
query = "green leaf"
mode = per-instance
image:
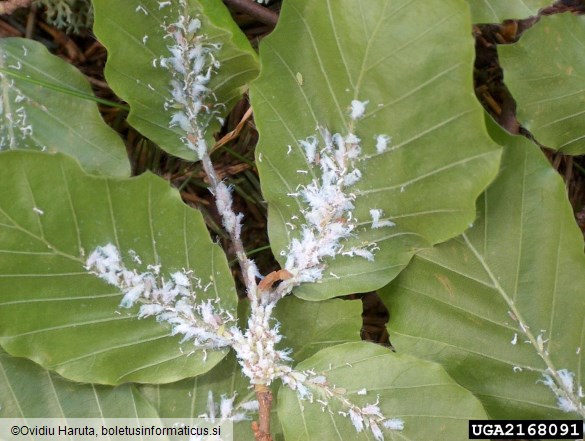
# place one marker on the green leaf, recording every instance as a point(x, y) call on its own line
point(496, 11)
point(29, 391)
point(521, 266)
point(134, 35)
point(309, 327)
point(46, 104)
point(52, 215)
point(544, 71)
point(413, 63)
point(418, 392)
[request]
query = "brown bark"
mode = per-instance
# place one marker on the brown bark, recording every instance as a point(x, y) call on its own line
point(261, 428)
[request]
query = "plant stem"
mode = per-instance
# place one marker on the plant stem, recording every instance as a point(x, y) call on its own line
point(262, 428)
point(234, 133)
point(246, 265)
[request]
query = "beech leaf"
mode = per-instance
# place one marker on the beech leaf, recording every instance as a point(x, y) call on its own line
point(29, 391)
point(418, 393)
point(47, 104)
point(397, 75)
point(501, 306)
point(58, 314)
point(134, 33)
point(549, 94)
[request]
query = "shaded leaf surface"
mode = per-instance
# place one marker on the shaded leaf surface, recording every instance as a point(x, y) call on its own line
point(134, 35)
point(496, 11)
point(310, 327)
point(56, 313)
point(29, 391)
point(45, 104)
point(420, 393)
point(502, 305)
point(405, 59)
point(550, 93)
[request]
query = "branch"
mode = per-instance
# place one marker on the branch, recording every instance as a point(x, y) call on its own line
point(234, 133)
point(262, 427)
point(231, 221)
point(192, 64)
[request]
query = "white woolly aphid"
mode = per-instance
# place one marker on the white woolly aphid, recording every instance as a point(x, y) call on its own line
point(359, 252)
point(394, 424)
point(328, 218)
point(376, 431)
point(358, 108)
point(357, 420)
point(226, 406)
point(192, 63)
point(255, 348)
point(232, 222)
point(310, 145)
point(567, 378)
point(376, 222)
point(173, 301)
point(329, 205)
point(567, 392)
point(227, 409)
point(382, 142)
point(370, 416)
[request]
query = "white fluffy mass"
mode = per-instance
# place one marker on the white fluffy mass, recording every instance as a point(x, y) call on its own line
point(358, 108)
point(382, 142)
point(256, 349)
point(328, 219)
point(568, 393)
point(192, 62)
point(376, 222)
point(173, 300)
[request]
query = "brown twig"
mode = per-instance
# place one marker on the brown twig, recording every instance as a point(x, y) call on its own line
point(9, 6)
point(262, 427)
point(193, 198)
point(73, 51)
point(30, 22)
point(234, 133)
point(253, 9)
point(98, 83)
point(7, 30)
